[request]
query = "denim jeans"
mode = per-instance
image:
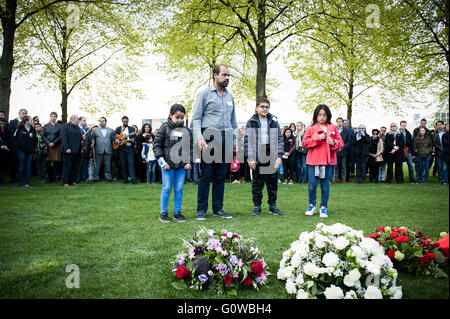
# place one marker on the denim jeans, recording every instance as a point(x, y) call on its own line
point(302, 170)
point(324, 186)
point(127, 163)
point(409, 161)
point(423, 168)
point(24, 166)
point(382, 172)
point(151, 171)
point(442, 170)
point(41, 169)
point(341, 168)
point(175, 178)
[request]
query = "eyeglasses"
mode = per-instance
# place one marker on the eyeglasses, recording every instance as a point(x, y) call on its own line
point(264, 106)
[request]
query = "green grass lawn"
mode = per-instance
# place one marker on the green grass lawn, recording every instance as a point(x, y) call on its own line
point(112, 232)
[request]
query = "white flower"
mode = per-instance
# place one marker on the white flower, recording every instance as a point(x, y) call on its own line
point(296, 260)
point(351, 295)
point(348, 281)
point(396, 292)
point(291, 287)
point(334, 292)
point(373, 292)
point(330, 259)
point(321, 241)
point(300, 247)
point(354, 274)
point(299, 279)
point(338, 229)
point(301, 294)
point(373, 268)
point(358, 252)
point(378, 260)
point(341, 242)
point(284, 273)
point(311, 270)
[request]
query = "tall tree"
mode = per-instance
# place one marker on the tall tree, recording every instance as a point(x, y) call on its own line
point(344, 57)
point(261, 27)
point(14, 14)
point(73, 43)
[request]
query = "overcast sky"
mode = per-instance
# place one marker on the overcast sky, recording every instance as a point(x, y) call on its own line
point(159, 90)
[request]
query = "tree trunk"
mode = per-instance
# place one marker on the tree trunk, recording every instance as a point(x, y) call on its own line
point(7, 59)
point(63, 76)
point(261, 55)
point(350, 98)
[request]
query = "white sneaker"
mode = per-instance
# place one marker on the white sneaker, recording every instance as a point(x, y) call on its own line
point(310, 211)
point(323, 212)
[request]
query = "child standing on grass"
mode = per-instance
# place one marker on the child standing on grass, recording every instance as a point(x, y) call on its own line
point(323, 141)
point(149, 158)
point(260, 146)
point(173, 151)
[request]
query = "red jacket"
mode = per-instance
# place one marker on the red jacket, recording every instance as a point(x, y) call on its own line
point(319, 151)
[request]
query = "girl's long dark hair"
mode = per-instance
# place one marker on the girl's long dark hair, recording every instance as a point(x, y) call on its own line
point(318, 109)
point(284, 133)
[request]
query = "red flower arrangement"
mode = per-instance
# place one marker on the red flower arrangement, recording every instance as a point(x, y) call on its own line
point(411, 251)
point(183, 272)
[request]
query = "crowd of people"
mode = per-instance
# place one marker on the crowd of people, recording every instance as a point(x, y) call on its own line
point(28, 147)
point(262, 152)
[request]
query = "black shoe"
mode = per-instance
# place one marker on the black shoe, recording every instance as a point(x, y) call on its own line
point(134, 182)
point(164, 218)
point(179, 218)
point(256, 211)
point(223, 214)
point(274, 210)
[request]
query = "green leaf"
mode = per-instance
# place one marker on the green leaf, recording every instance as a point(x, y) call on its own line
point(440, 258)
point(179, 285)
point(232, 292)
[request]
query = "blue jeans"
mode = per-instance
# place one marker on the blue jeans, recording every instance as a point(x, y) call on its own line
point(127, 163)
point(151, 171)
point(324, 185)
point(442, 170)
point(302, 170)
point(175, 178)
point(409, 161)
point(24, 165)
point(423, 168)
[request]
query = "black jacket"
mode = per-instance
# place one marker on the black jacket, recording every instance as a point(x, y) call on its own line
point(11, 128)
point(417, 130)
point(253, 124)
point(51, 134)
point(389, 144)
point(167, 137)
point(347, 139)
point(445, 148)
point(360, 148)
point(409, 142)
point(71, 138)
point(26, 140)
point(437, 143)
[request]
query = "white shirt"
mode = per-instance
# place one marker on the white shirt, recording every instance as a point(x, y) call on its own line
point(104, 131)
point(264, 132)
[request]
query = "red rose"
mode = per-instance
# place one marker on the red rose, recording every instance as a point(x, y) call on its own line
point(391, 254)
point(227, 279)
point(394, 235)
point(401, 230)
point(402, 239)
point(374, 235)
point(183, 272)
point(380, 243)
point(380, 229)
point(257, 268)
point(424, 260)
point(247, 281)
point(431, 255)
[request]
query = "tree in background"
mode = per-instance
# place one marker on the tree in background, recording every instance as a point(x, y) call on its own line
point(71, 44)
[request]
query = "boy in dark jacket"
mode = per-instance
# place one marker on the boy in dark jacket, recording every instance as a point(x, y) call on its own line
point(262, 133)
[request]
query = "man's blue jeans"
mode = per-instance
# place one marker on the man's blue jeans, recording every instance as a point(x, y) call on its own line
point(24, 166)
point(423, 169)
point(324, 185)
point(175, 178)
point(409, 161)
point(302, 170)
point(442, 170)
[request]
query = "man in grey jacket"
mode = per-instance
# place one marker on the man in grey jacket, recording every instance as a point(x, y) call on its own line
point(213, 125)
point(102, 138)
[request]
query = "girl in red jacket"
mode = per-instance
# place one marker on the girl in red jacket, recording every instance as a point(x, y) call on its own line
point(323, 141)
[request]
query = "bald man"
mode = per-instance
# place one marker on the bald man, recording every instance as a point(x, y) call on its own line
point(71, 147)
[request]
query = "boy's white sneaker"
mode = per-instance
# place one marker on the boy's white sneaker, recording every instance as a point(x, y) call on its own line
point(323, 212)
